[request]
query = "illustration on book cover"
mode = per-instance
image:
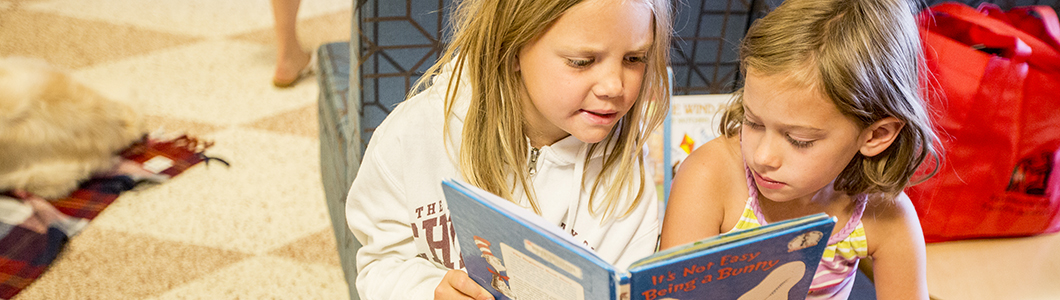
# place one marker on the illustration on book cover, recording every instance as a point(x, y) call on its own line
point(496, 267)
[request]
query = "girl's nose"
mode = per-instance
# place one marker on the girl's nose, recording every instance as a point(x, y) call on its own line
point(610, 83)
point(767, 154)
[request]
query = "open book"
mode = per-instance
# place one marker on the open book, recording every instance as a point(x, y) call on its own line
point(515, 254)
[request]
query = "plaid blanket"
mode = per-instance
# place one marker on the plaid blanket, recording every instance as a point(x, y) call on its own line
point(33, 231)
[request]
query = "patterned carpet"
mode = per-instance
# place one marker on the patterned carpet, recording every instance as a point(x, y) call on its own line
point(256, 230)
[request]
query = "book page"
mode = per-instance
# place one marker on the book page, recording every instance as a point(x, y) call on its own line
point(527, 275)
point(535, 222)
point(514, 254)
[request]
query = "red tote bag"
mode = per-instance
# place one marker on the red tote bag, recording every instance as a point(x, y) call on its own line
point(995, 92)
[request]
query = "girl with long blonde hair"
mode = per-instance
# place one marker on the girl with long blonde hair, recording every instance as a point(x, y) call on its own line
point(546, 103)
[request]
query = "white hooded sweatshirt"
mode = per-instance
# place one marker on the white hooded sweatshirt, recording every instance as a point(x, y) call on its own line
point(396, 209)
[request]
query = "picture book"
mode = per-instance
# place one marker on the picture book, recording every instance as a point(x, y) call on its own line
point(693, 121)
point(516, 254)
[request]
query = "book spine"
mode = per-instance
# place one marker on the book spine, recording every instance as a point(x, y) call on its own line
point(667, 131)
point(622, 288)
point(667, 156)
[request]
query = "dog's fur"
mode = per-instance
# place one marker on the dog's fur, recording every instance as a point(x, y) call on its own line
point(56, 132)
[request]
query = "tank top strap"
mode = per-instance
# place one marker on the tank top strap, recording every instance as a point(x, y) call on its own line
point(752, 201)
point(853, 223)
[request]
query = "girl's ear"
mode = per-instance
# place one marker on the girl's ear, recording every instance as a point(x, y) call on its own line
point(880, 135)
point(516, 62)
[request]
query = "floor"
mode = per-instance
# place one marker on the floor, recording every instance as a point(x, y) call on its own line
point(1012, 268)
point(256, 230)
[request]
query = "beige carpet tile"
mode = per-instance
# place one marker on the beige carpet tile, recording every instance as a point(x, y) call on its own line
point(318, 248)
point(106, 264)
point(205, 18)
point(266, 277)
point(256, 230)
point(312, 32)
point(77, 43)
point(171, 126)
point(270, 195)
point(300, 122)
point(215, 82)
point(1002, 268)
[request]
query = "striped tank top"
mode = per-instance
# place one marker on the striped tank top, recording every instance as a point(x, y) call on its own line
point(835, 274)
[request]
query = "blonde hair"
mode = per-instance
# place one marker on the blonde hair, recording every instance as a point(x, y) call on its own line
point(487, 36)
point(864, 55)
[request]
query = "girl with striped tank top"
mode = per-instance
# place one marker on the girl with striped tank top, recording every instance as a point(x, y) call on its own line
point(830, 119)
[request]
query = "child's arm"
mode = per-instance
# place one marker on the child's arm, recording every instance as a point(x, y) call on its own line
point(377, 214)
point(896, 245)
point(707, 182)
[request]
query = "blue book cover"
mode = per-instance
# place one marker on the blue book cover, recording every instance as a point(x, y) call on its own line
point(776, 261)
point(515, 254)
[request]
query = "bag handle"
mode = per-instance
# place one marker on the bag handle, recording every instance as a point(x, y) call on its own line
point(1010, 47)
point(1036, 20)
point(1042, 54)
point(977, 37)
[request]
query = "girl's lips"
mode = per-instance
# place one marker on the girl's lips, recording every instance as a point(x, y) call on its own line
point(600, 117)
point(764, 182)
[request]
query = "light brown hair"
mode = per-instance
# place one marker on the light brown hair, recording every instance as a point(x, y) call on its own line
point(864, 55)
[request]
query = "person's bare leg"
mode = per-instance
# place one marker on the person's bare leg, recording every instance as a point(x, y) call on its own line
point(290, 58)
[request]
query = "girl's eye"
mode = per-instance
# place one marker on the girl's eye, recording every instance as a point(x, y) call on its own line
point(636, 59)
point(800, 144)
point(579, 63)
point(752, 125)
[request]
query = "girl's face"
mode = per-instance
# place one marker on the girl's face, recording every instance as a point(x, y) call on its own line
point(793, 138)
point(584, 72)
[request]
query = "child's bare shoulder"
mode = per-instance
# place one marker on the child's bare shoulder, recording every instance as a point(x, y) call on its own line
point(705, 196)
point(714, 172)
point(718, 161)
point(889, 218)
point(883, 209)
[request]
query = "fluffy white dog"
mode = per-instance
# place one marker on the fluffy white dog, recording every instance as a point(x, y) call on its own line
point(56, 132)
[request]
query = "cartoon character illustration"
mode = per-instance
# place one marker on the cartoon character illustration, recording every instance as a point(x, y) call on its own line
point(778, 283)
point(500, 281)
point(805, 240)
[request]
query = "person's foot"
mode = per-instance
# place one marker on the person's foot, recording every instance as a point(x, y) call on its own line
point(291, 68)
